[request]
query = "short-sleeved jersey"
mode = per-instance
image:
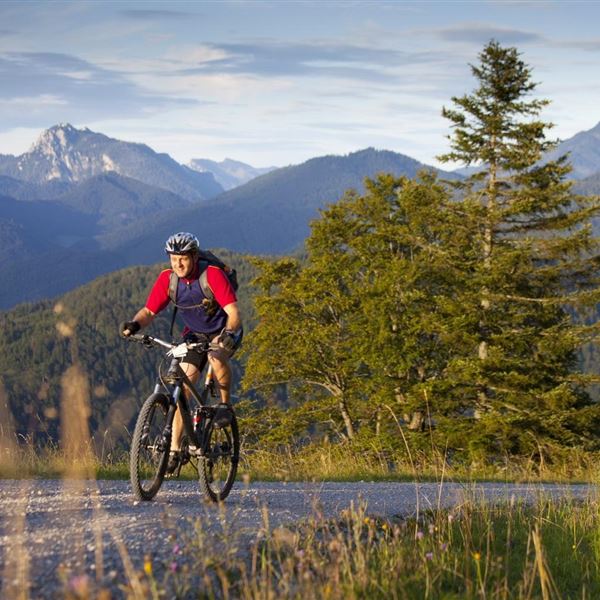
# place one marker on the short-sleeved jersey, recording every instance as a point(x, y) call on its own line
point(190, 296)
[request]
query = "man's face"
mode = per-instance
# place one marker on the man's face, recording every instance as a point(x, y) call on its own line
point(182, 264)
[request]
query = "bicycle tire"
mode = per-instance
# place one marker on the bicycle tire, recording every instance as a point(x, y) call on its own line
point(218, 467)
point(149, 455)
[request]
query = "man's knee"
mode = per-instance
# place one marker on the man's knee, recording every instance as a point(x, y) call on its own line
point(219, 359)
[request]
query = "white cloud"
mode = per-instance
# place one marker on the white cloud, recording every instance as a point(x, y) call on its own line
point(33, 102)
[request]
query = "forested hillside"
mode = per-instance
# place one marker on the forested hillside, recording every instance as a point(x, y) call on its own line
point(39, 341)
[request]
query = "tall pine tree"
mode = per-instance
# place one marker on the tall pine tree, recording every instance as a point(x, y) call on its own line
point(533, 262)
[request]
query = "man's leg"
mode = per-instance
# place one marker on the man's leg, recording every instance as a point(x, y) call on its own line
point(219, 361)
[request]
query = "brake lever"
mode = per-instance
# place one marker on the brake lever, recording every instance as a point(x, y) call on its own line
point(146, 342)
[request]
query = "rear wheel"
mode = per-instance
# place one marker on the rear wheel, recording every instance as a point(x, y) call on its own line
point(149, 449)
point(218, 467)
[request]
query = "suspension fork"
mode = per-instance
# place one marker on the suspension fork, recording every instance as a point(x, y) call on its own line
point(168, 430)
point(179, 401)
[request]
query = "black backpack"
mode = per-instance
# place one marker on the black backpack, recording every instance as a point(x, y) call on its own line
point(209, 304)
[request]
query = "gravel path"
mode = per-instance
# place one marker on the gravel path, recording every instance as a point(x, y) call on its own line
point(54, 529)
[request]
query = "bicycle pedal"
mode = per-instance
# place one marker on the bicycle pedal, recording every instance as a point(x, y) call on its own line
point(175, 473)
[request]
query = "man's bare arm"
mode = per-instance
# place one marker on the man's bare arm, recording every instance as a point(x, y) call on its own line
point(144, 317)
point(234, 319)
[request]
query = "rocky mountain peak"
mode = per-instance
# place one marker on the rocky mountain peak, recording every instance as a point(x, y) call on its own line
point(57, 139)
point(66, 154)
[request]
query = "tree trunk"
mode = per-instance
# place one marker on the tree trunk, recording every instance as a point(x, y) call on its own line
point(417, 421)
point(487, 246)
point(346, 417)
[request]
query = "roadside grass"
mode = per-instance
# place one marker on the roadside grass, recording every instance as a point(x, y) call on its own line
point(548, 550)
point(313, 463)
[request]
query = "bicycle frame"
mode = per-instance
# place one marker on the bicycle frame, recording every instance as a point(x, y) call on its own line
point(176, 378)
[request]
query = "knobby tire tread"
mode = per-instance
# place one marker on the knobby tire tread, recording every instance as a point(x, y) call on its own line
point(158, 400)
point(203, 474)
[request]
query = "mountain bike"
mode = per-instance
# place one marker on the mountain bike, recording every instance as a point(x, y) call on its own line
point(214, 450)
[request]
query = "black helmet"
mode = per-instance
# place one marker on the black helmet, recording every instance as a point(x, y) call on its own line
point(182, 243)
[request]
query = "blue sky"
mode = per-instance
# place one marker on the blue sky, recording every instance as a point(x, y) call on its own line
point(277, 83)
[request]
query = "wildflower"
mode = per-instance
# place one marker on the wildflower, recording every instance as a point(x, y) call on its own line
point(432, 528)
point(176, 549)
point(173, 567)
point(420, 535)
point(477, 556)
point(79, 584)
point(444, 546)
point(147, 566)
point(450, 518)
point(384, 526)
point(367, 521)
point(429, 555)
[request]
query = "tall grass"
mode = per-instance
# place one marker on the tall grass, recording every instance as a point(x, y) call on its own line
point(310, 463)
point(549, 551)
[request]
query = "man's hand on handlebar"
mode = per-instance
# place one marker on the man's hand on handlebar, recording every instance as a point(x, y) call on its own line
point(128, 328)
point(228, 340)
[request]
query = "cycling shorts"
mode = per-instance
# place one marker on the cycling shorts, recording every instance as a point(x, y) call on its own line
point(198, 359)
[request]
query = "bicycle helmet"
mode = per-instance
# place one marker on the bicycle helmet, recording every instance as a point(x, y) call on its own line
point(182, 243)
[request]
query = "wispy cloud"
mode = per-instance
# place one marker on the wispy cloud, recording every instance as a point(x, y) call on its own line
point(270, 58)
point(142, 14)
point(481, 33)
point(70, 88)
point(590, 45)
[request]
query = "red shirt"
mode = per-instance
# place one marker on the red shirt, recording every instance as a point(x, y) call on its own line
point(224, 294)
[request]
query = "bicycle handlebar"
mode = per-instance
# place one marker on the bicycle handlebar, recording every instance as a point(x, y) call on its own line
point(176, 350)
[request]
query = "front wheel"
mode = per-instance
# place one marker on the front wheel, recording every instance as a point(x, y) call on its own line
point(149, 448)
point(218, 467)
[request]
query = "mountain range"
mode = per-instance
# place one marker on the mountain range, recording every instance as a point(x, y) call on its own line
point(66, 154)
point(80, 204)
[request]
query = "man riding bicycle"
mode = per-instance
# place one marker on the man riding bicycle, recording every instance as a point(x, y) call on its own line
point(218, 319)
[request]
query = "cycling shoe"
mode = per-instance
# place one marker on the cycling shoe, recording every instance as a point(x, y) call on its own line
point(174, 461)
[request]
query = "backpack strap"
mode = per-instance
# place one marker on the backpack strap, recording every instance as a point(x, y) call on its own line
point(173, 282)
point(203, 279)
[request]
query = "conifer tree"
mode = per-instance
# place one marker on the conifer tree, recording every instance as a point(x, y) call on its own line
point(534, 260)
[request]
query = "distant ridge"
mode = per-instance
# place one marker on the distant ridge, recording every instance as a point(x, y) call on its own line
point(271, 214)
point(583, 150)
point(229, 173)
